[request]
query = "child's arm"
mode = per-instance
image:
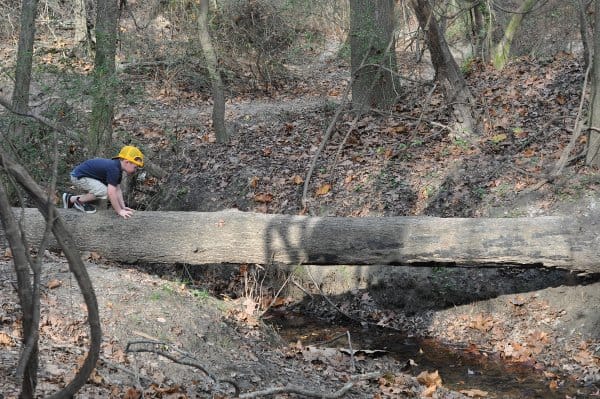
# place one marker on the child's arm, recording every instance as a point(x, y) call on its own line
point(115, 194)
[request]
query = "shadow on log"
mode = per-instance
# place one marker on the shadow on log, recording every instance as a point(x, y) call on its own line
point(232, 236)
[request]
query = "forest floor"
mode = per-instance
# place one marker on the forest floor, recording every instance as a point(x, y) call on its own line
point(403, 163)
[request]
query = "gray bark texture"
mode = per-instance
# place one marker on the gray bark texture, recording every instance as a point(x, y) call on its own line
point(447, 71)
point(593, 150)
point(242, 237)
point(373, 60)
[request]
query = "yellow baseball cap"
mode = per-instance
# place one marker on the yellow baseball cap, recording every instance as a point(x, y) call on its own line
point(132, 154)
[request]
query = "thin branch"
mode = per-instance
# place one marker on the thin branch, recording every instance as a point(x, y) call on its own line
point(179, 360)
point(45, 121)
point(277, 294)
point(308, 393)
point(338, 112)
point(348, 316)
point(31, 343)
point(564, 157)
point(324, 141)
point(351, 352)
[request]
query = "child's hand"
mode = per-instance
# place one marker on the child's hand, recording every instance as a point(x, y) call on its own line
point(126, 213)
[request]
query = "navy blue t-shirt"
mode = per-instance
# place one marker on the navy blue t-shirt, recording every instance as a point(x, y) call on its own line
point(108, 171)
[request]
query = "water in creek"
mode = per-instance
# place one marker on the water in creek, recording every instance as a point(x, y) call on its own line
point(458, 368)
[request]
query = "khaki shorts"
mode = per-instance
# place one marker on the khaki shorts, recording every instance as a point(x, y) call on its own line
point(90, 185)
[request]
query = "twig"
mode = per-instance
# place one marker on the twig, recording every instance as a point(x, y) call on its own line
point(182, 360)
point(45, 121)
point(343, 143)
point(302, 288)
point(329, 300)
point(277, 294)
point(329, 341)
point(361, 110)
point(117, 366)
point(324, 141)
point(351, 352)
point(330, 128)
point(564, 158)
point(310, 394)
point(427, 101)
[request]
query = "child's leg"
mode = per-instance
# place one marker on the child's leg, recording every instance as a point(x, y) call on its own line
point(93, 188)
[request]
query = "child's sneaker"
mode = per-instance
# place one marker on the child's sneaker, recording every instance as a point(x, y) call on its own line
point(66, 200)
point(84, 207)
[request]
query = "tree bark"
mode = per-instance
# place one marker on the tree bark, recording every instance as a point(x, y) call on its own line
point(242, 237)
point(502, 50)
point(210, 55)
point(373, 57)
point(20, 102)
point(105, 79)
point(82, 36)
point(447, 72)
point(593, 149)
point(20, 95)
point(25, 292)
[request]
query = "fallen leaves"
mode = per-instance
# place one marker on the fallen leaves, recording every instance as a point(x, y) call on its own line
point(323, 189)
point(297, 180)
point(474, 393)
point(263, 198)
point(482, 323)
point(431, 380)
point(54, 283)
point(6, 340)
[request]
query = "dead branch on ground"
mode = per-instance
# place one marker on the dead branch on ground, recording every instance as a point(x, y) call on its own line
point(182, 357)
point(186, 359)
point(308, 393)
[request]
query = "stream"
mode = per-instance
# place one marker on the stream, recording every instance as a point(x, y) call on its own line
point(458, 368)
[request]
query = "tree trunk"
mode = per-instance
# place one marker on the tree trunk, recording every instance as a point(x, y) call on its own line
point(447, 72)
point(82, 37)
point(479, 31)
point(593, 150)
point(20, 95)
point(373, 57)
point(25, 292)
point(586, 33)
point(218, 113)
point(105, 79)
point(242, 237)
point(502, 51)
point(20, 103)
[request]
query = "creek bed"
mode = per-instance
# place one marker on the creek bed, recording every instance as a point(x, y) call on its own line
point(460, 369)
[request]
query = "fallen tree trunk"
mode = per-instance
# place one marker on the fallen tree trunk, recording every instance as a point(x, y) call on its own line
point(241, 237)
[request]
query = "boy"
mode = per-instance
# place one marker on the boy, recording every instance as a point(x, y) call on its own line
point(101, 177)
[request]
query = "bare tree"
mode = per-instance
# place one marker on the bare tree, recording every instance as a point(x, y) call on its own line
point(593, 150)
point(447, 71)
point(82, 32)
point(210, 56)
point(20, 102)
point(502, 49)
point(20, 96)
point(105, 78)
point(585, 30)
point(373, 57)
point(479, 29)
